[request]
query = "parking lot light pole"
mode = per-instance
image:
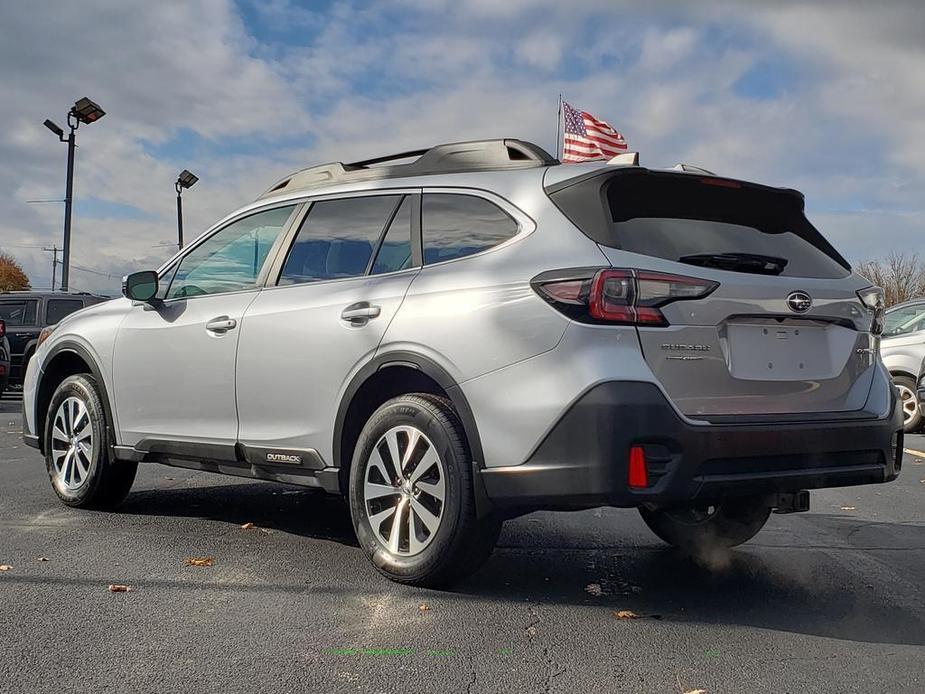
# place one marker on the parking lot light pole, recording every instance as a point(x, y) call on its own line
point(184, 180)
point(83, 111)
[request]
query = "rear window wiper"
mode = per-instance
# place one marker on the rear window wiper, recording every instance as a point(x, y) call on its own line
point(738, 262)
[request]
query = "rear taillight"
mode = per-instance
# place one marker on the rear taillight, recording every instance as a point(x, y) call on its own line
point(2, 328)
point(872, 298)
point(624, 296)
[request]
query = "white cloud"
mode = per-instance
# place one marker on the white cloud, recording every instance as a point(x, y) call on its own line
point(364, 81)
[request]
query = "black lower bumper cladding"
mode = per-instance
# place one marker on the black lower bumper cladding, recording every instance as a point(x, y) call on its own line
point(583, 460)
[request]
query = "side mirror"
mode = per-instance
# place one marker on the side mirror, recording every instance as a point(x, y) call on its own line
point(140, 286)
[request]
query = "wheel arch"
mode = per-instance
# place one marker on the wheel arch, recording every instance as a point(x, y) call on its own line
point(899, 371)
point(381, 380)
point(67, 359)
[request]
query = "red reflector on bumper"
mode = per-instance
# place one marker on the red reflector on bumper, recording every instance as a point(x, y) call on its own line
point(638, 475)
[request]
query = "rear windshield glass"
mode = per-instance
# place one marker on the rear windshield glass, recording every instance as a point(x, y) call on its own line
point(701, 221)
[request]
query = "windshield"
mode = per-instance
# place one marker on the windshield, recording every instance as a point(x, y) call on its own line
point(701, 221)
point(19, 312)
point(907, 319)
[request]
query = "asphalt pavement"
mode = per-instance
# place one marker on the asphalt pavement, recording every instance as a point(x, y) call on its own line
point(826, 601)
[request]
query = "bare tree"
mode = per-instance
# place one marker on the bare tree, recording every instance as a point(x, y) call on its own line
point(901, 276)
point(12, 277)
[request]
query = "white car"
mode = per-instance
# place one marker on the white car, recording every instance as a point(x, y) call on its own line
point(902, 350)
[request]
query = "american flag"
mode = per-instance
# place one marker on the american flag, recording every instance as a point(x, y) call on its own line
point(587, 139)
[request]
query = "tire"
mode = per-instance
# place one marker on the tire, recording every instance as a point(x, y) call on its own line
point(435, 555)
point(912, 418)
point(719, 526)
point(83, 475)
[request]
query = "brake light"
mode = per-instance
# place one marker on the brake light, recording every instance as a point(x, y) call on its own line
point(721, 182)
point(624, 296)
point(2, 328)
point(872, 298)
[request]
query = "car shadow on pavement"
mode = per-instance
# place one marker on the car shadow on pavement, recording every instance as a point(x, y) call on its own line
point(802, 589)
point(807, 589)
point(306, 512)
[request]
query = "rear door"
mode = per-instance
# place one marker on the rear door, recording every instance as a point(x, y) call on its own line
point(340, 282)
point(784, 331)
point(22, 329)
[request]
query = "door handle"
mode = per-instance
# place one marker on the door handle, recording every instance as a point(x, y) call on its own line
point(360, 313)
point(222, 324)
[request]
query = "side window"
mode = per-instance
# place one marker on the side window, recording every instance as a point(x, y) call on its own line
point(454, 226)
point(231, 259)
point(56, 309)
point(19, 312)
point(905, 320)
point(337, 239)
point(395, 252)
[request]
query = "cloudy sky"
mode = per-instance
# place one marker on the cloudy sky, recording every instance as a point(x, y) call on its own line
point(824, 96)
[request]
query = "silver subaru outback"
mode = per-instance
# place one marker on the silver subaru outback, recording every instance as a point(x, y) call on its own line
point(456, 336)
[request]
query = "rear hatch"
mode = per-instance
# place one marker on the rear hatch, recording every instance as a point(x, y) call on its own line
point(783, 331)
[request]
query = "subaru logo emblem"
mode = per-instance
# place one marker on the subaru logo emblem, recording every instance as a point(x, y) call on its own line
point(799, 302)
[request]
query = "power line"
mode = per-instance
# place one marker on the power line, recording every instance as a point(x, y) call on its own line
point(94, 272)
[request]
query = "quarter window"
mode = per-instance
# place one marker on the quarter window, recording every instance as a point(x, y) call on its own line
point(231, 259)
point(455, 226)
point(337, 238)
point(395, 252)
point(56, 309)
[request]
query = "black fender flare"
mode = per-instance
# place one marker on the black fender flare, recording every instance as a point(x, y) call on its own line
point(95, 371)
point(426, 366)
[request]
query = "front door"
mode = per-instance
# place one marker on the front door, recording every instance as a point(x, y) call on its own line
point(174, 363)
point(342, 281)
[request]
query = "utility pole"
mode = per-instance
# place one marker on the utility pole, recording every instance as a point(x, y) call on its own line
point(54, 264)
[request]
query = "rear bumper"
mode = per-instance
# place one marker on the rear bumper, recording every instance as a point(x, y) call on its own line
point(583, 460)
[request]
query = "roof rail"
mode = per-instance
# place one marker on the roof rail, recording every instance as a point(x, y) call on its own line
point(456, 157)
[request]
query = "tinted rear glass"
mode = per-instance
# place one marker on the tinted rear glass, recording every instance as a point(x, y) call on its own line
point(692, 219)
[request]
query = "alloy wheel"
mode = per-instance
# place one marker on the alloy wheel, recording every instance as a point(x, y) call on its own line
point(72, 444)
point(404, 489)
point(910, 403)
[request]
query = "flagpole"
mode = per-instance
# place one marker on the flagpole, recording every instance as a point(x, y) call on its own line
point(558, 124)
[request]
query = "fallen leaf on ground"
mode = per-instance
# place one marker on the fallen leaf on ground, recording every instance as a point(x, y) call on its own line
point(43, 558)
point(424, 607)
point(530, 631)
point(247, 526)
point(848, 508)
point(696, 691)
point(199, 561)
point(5, 567)
point(168, 478)
point(594, 589)
point(625, 614)
point(118, 588)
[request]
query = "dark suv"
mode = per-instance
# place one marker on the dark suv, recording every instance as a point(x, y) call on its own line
point(4, 357)
point(25, 314)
